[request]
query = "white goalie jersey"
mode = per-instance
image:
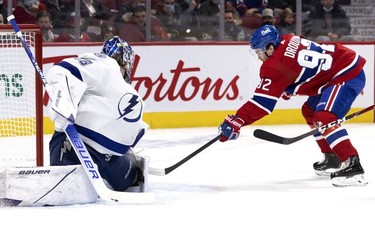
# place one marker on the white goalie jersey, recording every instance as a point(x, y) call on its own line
point(109, 110)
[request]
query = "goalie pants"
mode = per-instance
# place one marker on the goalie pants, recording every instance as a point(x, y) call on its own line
point(334, 102)
point(118, 171)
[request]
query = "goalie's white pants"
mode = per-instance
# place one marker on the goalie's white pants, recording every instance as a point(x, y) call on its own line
point(40, 186)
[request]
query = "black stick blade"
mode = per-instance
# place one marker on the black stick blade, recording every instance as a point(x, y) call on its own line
point(268, 136)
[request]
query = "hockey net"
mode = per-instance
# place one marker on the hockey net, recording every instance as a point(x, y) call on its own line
point(21, 109)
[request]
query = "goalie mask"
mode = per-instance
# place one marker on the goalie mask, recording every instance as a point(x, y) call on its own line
point(121, 51)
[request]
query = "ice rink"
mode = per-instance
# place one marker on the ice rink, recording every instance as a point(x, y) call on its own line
point(242, 183)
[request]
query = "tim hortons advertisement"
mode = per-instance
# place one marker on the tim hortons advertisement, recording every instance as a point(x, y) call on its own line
point(192, 77)
point(182, 85)
point(184, 78)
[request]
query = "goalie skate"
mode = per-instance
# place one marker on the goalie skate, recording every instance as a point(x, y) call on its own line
point(350, 173)
point(142, 164)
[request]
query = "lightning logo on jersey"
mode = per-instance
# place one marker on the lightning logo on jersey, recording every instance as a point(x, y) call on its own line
point(130, 107)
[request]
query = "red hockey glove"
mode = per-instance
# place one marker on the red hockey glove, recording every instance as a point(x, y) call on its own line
point(230, 128)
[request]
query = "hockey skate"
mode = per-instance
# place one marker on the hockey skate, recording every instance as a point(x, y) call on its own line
point(350, 173)
point(328, 165)
point(141, 163)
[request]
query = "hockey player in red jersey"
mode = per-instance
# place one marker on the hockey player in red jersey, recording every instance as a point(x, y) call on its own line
point(330, 75)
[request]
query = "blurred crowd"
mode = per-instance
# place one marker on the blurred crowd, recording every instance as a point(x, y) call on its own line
point(177, 20)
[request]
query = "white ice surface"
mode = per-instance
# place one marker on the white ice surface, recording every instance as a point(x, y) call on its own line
point(243, 183)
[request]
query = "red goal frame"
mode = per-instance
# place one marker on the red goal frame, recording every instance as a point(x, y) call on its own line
point(38, 86)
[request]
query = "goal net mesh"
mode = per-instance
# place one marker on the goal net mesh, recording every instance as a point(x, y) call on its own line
point(17, 102)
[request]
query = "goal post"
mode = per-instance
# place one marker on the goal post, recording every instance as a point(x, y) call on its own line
point(21, 103)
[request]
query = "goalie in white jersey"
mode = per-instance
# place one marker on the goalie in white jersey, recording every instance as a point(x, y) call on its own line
point(107, 111)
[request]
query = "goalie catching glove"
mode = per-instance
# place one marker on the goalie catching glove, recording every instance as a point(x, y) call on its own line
point(230, 128)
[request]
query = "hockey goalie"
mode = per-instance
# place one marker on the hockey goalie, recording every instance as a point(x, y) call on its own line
point(93, 92)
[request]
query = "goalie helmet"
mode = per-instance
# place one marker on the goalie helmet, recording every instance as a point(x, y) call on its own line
point(122, 52)
point(264, 36)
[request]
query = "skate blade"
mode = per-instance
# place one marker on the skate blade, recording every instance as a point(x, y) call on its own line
point(356, 180)
point(325, 173)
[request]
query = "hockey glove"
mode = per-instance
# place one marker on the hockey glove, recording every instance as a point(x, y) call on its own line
point(62, 111)
point(230, 128)
point(286, 96)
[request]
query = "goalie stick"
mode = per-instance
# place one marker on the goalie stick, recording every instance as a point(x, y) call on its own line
point(80, 149)
point(265, 135)
point(165, 171)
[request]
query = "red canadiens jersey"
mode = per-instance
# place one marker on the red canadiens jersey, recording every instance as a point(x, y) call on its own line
point(299, 67)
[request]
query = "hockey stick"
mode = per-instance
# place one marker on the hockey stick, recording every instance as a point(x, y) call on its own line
point(265, 135)
point(165, 171)
point(79, 147)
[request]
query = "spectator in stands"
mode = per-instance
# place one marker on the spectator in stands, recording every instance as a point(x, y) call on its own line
point(329, 22)
point(307, 5)
point(228, 6)
point(1, 19)
point(113, 5)
point(3, 13)
point(208, 13)
point(125, 11)
point(60, 11)
point(268, 17)
point(185, 4)
point(287, 23)
point(232, 31)
point(278, 6)
point(26, 10)
point(68, 34)
point(94, 13)
point(107, 31)
point(190, 22)
point(168, 12)
point(43, 19)
point(135, 29)
point(249, 8)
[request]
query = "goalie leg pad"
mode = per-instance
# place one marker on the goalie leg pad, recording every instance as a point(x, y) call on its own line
point(41, 186)
point(119, 172)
